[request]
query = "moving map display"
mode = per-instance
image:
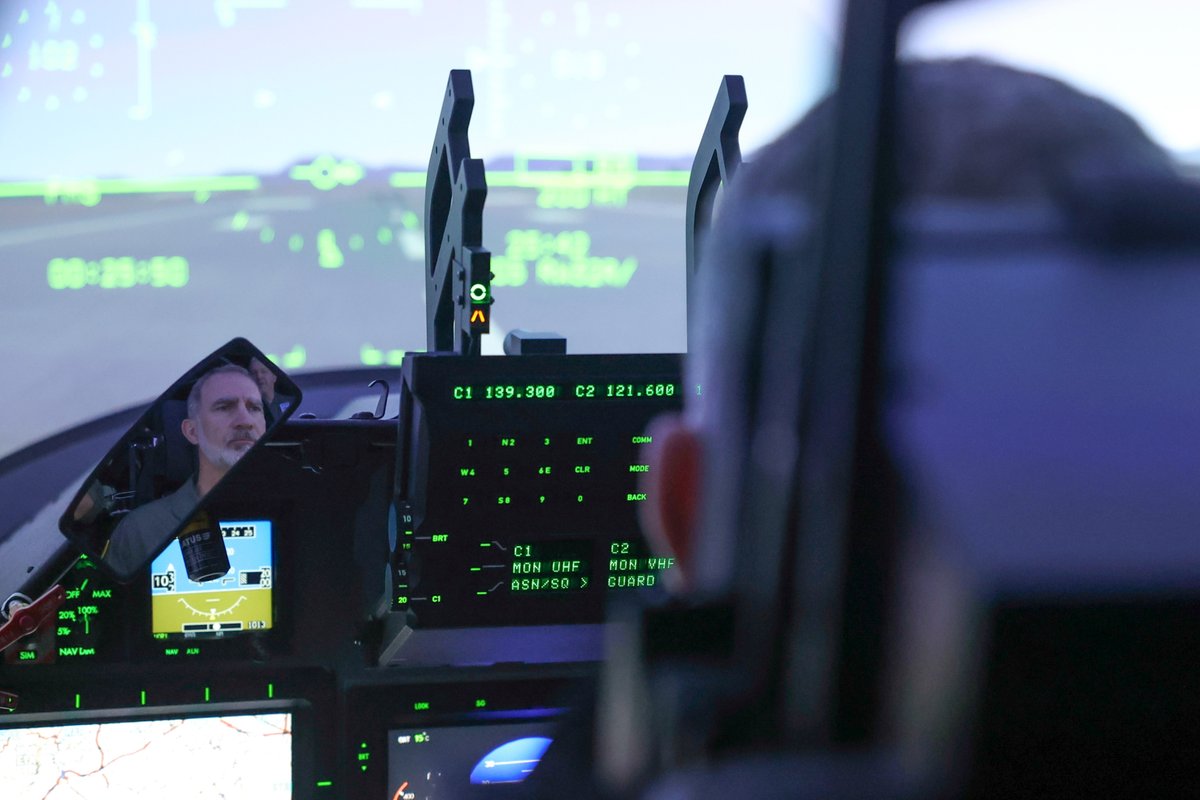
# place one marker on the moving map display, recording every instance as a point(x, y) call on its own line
point(246, 755)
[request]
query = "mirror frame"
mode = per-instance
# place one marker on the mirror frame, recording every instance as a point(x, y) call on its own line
point(84, 537)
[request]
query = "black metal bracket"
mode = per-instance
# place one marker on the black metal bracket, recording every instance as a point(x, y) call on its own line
point(458, 279)
point(717, 159)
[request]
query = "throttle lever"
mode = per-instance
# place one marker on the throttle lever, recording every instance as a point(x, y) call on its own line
point(28, 618)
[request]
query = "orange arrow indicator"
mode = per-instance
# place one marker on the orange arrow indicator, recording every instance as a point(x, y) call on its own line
point(478, 316)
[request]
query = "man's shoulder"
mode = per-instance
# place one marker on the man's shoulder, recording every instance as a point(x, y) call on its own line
point(148, 525)
point(169, 509)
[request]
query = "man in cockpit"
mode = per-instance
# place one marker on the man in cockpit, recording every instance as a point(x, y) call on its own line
point(225, 418)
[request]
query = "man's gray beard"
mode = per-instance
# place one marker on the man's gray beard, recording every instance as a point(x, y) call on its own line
point(222, 457)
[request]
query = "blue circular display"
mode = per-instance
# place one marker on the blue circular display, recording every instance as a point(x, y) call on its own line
point(511, 762)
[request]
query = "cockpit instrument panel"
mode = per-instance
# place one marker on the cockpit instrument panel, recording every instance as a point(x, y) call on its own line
point(519, 486)
point(239, 601)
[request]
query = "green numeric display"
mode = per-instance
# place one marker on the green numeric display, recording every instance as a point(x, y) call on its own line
point(579, 391)
point(508, 391)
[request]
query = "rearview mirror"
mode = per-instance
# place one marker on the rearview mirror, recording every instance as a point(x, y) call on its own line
point(148, 488)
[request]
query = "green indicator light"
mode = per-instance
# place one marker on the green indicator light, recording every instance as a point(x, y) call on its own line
point(373, 357)
point(143, 697)
point(266, 235)
point(481, 593)
point(240, 221)
point(362, 745)
point(410, 220)
point(356, 242)
point(77, 700)
point(207, 694)
point(293, 359)
point(476, 569)
point(295, 243)
point(410, 180)
point(384, 235)
point(480, 703)
point(324, 784)
point(270, 691)
point(326, 172)
point(485, 544)
point(421, 705)
point(329, 255)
